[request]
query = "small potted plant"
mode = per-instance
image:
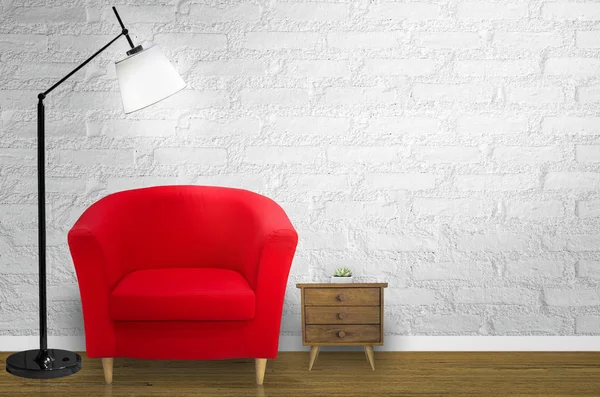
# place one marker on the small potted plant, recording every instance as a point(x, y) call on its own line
point(342, 275)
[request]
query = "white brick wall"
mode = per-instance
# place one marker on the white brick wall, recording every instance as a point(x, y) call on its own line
point(587, 153)
point(528, 40)
point(400, 67)
point(588, 11)
point(588, 269)
point(572, 66)
point(280, 40)
point(492, 242)
point(533, 209)
point(452, 271)
point(291, 97)
point(310, 11)
point(495, 182)
point(308, 125)
point(190, 155)
point(491, 125)
point(497, 68)
point(451, 324)
point(413, 11)
point(424, 206)
point(210, 14)
point(403, 241)
point(489, 10)
point(316, 69)
point(392, 181)
point(569, 125)
point(538, 268)
point(191, 41)
point(588, 209)
point(534, 95)
point(589, 94)
point(528, 324)
point(572, 297)
point(497, 296)
point(588, 38)
point(282, 155)
point(450, 148)
point(527, 154)
point(572, 180)
point(588, 325)
point(448, 40)
point(452, 93)
point(362, 40)
point(360, 154)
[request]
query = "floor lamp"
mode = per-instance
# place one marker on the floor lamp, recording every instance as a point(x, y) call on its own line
point(145, 77)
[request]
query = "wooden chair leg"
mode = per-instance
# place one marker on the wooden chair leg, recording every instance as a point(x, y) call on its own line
point(261, 366)
point(107, 365)
point(314, 353)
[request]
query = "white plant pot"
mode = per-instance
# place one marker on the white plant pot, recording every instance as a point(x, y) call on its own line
point(341, 280)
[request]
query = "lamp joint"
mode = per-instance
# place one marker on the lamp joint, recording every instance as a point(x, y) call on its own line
point(41, 96)
point(135, 50)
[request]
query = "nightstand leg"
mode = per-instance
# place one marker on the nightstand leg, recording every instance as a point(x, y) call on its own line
point(314, 353)
point(370, 357)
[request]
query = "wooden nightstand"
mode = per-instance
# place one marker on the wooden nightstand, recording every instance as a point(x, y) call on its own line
point(342, 315)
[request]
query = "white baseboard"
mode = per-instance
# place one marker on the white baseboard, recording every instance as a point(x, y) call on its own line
point(392, 343)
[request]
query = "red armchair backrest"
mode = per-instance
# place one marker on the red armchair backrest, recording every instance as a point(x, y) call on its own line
point(177, 227)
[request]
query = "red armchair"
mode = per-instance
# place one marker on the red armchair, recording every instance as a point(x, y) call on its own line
point(183, 272)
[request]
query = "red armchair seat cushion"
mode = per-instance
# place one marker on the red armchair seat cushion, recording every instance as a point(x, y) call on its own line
point(182, 294)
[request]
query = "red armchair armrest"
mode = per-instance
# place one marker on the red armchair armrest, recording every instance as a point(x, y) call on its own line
point(94, 290)
point(278, 247)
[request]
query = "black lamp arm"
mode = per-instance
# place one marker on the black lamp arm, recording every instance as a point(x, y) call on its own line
point(59, 82)
point(124, 32)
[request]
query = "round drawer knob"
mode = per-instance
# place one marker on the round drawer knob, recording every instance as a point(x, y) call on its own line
point(341, 297)
point(342, 316)
point(341, 334)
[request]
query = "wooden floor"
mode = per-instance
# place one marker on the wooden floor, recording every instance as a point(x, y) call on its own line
point(334, 374)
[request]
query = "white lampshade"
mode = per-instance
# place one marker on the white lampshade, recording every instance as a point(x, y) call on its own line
point(145, 78)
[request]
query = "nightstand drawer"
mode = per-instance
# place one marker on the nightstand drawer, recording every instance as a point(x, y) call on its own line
point(340, 334)
point(343, 315)
point(341, 296)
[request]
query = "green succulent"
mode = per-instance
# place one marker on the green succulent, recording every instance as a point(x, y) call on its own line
point(342, 272)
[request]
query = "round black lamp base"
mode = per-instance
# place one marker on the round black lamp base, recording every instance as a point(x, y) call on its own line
point(43, 364)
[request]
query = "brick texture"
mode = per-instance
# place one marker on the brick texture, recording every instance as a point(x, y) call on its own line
point(450, 148)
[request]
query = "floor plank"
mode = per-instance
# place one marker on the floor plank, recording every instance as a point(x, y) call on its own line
point(334, 374)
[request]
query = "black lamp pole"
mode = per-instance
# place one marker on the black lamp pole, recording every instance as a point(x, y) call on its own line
point(44, 363)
